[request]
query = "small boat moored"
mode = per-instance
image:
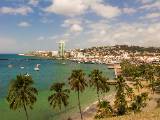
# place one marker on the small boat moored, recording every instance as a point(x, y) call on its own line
point(22, 67)
point(27, 74)
point(37, 67)
point(10, 66)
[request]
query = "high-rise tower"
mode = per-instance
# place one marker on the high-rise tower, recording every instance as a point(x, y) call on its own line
point(61, 50)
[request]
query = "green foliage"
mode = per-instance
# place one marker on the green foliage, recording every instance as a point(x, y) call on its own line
point(139, 102)
point(105, 110)
point(98, 81)
point(127, 68)
point(138, 85)
point(144, 71)
point(60, 95)
point(78, 83)
point(21, 93)
point(120, 98)
point(77, 80)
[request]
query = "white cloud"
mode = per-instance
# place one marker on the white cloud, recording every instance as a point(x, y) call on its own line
point(152, 15)
point(129, 10)
point(76, 28)
point(33, 2)
point(21, 10)
point(78, 7)
point(67, 7)
point(24, 24)
point(153, 5)
point(145, 1)
point(73, 25)
point(106, 11)
point(123, 33)
point(69, 22)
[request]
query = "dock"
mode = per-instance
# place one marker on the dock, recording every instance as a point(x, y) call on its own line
point(112, 82)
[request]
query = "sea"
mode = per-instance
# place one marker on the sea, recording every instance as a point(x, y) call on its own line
point(51, 71)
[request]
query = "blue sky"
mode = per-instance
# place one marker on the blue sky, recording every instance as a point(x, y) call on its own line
point(27, 25)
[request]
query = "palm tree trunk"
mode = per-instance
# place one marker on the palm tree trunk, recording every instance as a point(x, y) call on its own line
point(79, 104)
point(152, 89)
point(25, 111)
point(98, 95)
point(138, 88)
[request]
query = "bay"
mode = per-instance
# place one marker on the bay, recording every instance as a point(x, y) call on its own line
point(50, 71)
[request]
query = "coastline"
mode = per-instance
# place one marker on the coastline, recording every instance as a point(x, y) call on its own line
point(90, 111)
point(50, 71)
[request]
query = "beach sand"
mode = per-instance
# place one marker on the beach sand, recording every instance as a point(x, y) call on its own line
point(90, 111)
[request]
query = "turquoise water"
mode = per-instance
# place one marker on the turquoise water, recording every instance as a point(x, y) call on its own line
point(50, 71)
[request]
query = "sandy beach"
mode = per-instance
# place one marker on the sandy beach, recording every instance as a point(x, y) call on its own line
point(90, 111)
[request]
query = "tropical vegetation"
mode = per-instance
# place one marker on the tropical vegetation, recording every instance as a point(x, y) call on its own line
point(59, 96)
point(78, 83)
point(22, 94)
point(129, 86)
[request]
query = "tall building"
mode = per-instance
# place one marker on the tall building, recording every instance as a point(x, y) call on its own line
point(61, 50)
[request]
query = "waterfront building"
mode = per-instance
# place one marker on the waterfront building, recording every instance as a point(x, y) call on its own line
point(54, 53)
point(61, 50)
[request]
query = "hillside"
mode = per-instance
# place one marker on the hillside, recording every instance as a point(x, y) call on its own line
point(153, 115)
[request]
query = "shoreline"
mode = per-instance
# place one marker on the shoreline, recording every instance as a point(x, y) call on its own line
point(90, 111)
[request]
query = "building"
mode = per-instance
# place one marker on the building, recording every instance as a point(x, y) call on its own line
point(61, 50)
point(54, 53)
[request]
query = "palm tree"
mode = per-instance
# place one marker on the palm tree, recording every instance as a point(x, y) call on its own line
point(139, 102)
point(136, 77)
point(60, 95)
point(78, 83)
point(99, 82)
point(120, 98)
point(21, 93)
point(150, 76)
point(138, 85)
point(105, 110)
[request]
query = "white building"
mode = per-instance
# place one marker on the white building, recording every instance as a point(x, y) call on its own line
point(54, 53)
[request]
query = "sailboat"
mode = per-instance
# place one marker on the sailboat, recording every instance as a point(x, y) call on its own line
point(37, 67)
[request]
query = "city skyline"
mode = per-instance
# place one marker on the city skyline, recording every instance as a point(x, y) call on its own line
point(27, 25)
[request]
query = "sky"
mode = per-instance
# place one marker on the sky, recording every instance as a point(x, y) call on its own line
point(29, 25)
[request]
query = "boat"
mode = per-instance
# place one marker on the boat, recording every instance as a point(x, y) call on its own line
point(10, 66)
point(21, 54)
point(22, 67)
point(37, 67)
point(27, 75)
point(63, 63)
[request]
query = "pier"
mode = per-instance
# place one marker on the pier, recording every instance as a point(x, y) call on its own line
point(112, 82)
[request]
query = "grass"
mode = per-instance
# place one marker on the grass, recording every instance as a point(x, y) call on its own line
point(152, 115)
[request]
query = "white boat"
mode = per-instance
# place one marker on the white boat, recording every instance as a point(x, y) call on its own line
point(26, 75)
point(37, 67)
point(21, 54)
point(63, 63)
point(22, 67)
point(10, 66)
